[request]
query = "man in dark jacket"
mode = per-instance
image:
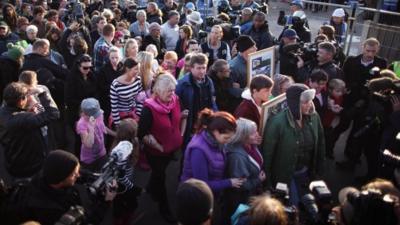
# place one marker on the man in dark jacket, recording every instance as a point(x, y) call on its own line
point(53, 192)
point(196, 91)
point(324, 61)
point(155, 38)
point(25, 146)
point(260, 32)
point(6, 37)
point(357, 71)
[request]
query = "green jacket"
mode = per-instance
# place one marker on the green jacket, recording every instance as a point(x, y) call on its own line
point(281, 139)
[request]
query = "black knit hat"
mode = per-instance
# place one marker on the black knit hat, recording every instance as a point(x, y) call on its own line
point(244, 42)
point(296, 93)
point(58, 165)
point(194, 202)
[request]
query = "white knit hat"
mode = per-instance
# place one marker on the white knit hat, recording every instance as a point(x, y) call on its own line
point(338, 13)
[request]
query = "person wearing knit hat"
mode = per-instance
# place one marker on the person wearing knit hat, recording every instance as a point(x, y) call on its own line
point(339, 23)
point(245, 45)
point(61, 168)
point(194, 202)
point(294, 143)
point(15, 52)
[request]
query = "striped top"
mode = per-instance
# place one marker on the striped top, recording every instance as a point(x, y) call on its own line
point(123, 98)
point(125, 175)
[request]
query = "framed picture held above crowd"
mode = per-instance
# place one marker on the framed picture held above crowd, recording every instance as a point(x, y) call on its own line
point(261, 62)
point(271, 108)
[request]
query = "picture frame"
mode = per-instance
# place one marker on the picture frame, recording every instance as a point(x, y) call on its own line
point(261, 62)
point(270, 108)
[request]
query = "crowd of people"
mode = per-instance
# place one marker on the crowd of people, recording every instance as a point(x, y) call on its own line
point(89, 87)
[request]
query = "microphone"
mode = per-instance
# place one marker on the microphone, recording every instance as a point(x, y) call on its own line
point(122, 151)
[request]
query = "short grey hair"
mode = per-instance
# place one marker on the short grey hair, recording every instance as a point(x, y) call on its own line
point(163, 82)
point(244, 129)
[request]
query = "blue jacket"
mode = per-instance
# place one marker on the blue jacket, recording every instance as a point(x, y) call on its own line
point(185, 91)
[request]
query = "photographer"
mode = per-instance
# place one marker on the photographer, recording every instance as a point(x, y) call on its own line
point(51, 193)
point(323, 61)
point(214, 48)
point(287, 65)
point(260, 32)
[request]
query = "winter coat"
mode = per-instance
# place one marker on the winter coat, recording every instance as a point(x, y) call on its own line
point(281, 139)
point(248, 109)
point(262, 36)
point(25, 146)
point(9, 38)
point(9, 72)
point(185, 91)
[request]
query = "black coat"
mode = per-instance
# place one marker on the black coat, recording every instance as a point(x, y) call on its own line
point(333, 71)
point(77, 89)
point(262, 36)
point(25, 146)
point(41, 203)
point(9, 72)
point(356, 75)
point(159, 43)
point(105, 77)
point(223, 92)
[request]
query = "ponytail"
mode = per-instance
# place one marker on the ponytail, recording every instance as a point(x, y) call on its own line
point(221, 121)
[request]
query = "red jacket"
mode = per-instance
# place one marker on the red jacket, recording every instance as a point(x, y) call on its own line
point(247, 109)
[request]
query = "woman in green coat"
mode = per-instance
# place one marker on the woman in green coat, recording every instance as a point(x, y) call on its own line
point(293, 143)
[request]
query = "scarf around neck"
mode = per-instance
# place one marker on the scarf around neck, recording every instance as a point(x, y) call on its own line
point(160, 106)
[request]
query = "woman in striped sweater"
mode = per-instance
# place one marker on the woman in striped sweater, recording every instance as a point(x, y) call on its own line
point(123, 94)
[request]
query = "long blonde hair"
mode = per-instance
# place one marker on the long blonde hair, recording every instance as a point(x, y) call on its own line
point(146, 68)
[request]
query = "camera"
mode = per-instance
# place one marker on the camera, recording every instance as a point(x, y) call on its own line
point(281, 192)
point(110, 170)
point(74, 216)
point(306, 51)
point(369, 207)
point(316, 206)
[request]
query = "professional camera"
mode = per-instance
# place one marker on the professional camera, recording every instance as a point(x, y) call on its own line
point(110, 170)
point(316, 206)
point(307, 51)
point(383, 89)
point(74, 216)
point(369, 207)
point(281, 192)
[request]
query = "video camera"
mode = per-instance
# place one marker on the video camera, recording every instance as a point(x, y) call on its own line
point(110, 170)
point(306, 51)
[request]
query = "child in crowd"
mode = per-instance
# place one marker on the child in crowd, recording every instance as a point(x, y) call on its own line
point(331, 119)
point(91, 129)
point(125, 202)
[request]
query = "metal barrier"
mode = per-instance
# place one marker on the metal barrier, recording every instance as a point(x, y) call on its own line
point(359, 30)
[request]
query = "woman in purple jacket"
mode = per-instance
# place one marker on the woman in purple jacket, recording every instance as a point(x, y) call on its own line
point(205, 154)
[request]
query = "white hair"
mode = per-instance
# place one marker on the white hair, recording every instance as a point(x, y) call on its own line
point(164, 82)
point(31, 28)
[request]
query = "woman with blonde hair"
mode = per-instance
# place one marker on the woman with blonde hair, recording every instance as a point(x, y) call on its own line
point(131, 49)
point(146, 70)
